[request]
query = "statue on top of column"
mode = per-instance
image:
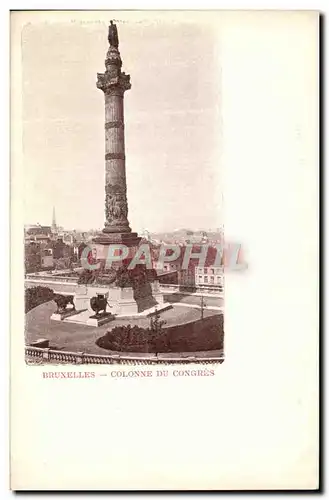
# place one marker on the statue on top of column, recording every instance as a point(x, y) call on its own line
point(113, 35)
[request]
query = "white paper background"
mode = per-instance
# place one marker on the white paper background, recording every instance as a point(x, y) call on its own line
point(253, 425)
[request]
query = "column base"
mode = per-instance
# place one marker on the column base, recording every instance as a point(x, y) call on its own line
point(124, 228)
point(101, 246)
point(128, 239)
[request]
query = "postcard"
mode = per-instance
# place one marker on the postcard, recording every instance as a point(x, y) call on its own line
point(164, 316)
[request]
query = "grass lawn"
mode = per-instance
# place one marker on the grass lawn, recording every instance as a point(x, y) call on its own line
point(186, 332)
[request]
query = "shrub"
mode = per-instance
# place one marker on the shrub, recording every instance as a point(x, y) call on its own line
point(125, 338)
point(37, 295)
point(200, 335)
point(86, 277)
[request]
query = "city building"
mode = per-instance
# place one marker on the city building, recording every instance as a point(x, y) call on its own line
point(209, 276)
point(37, 233)
point(60, 249)
point(186, 277)
point(47, 259)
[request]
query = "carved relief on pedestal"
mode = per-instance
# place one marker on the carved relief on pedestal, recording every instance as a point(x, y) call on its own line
point(116, 208)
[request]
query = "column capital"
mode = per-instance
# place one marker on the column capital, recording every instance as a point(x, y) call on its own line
point(113, 81)
point(113, 84)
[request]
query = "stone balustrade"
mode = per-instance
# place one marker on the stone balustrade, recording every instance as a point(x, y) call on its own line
point(126, 358)
point(51, 278)
point(70, 283)
point(198, 289)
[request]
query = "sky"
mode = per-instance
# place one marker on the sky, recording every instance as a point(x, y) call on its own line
point(172, 124)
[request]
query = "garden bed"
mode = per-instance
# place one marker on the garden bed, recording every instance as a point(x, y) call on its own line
point(202, 335)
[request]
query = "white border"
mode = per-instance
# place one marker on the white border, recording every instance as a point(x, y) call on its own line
point(320, 5)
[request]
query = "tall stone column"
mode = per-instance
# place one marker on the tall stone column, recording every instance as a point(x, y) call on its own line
point(114, 83)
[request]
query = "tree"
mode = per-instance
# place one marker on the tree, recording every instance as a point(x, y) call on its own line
point(156, 325)
point(62, 263)
point(202, 306)
point(86, 277)
point(81, 248)
point(32, 257)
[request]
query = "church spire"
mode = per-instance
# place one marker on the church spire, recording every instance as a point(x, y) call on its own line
point(53, 225)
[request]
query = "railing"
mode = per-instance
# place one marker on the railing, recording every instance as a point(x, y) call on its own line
point(213, 289)
point(50, 278)
point(126, 358)
point(165, 287)
point(35, 352)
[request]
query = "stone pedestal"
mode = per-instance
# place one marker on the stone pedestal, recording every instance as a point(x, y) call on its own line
point(66, 314)
point(104, 247)
point(157, 294)
point(83, 295)
point(124, 303)
point(101, 320)
point(82, 303)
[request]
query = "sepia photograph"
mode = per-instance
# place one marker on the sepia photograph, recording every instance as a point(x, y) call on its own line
point(164, 250)
point(123, 200)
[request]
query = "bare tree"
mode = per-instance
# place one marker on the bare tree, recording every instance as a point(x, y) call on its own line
point(156, 324)
point(203, 305)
